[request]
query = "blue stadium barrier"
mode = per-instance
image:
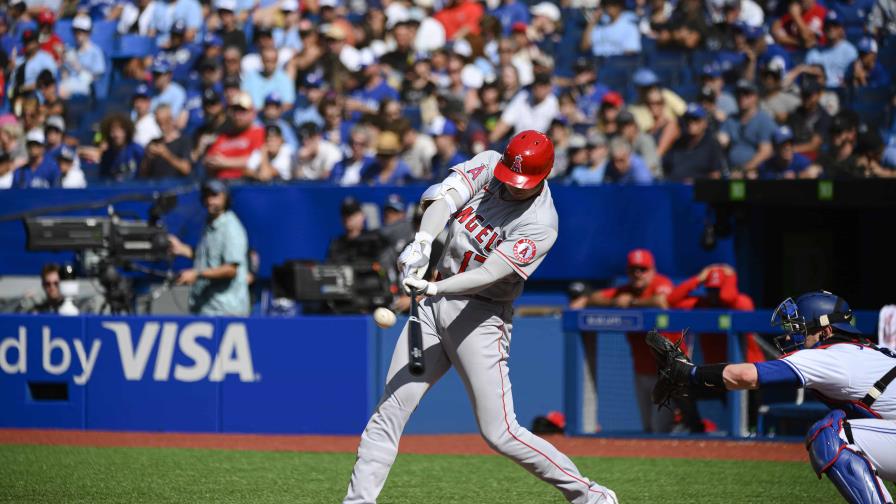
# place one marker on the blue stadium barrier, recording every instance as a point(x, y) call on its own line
point(616, 412)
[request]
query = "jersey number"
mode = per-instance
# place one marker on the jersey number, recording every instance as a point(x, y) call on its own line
point(466, 262)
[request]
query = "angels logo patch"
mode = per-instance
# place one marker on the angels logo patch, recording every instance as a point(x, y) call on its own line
point(524, 250)
point(517, 164)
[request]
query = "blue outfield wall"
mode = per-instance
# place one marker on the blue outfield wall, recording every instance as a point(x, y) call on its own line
point(598, 225)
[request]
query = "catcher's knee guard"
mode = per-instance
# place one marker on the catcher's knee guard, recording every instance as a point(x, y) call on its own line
point(848, 469)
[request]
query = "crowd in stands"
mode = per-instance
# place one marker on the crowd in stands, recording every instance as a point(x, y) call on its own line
point(385, 92)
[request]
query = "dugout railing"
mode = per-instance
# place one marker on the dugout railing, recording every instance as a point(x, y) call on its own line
point(583, 372)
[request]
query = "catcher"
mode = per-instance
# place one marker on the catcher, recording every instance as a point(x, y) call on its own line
point(855, 444)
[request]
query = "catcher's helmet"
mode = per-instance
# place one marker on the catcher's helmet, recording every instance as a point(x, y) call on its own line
point(527, 160)
point(809, 313)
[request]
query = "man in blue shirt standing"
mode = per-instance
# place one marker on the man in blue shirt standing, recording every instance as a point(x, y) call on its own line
point(615, 36)
point(83, 64)
point(269, 80)
point(747, 135)
point(837, 55)
point(41, 171)
point(866, 70)
point(219, 276)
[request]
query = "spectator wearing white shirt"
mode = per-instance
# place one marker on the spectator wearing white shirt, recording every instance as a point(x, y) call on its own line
point(617, 33)
point(317, 156)
point(146, 129)
point(534, 108)
point(83, 64)
point(72, 176)
point(135, 17)
point(274, 159)
point(6, 171)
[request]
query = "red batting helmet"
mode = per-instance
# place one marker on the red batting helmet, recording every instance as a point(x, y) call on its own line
point(527, 160)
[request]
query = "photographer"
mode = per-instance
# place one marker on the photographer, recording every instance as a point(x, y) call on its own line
point(219, 272)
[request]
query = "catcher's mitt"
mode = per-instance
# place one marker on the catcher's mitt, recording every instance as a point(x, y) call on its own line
point(673, 368)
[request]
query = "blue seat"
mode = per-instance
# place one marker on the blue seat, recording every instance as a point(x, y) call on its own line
point(104, 35)
point(671, 66)
point(616, 72)
point(134, 46)
point(64, 30)
point(873, 105)
point(412, 113)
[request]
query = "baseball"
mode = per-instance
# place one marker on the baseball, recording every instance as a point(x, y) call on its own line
point(384, 317)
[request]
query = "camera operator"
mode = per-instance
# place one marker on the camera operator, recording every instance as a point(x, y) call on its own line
point(219, 273)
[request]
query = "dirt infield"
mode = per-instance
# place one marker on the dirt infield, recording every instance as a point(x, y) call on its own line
point(460, 444)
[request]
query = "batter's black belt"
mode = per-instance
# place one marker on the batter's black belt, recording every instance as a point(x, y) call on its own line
point(879, 387)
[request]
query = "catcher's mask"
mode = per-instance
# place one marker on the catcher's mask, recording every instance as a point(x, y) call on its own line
point(807, 315)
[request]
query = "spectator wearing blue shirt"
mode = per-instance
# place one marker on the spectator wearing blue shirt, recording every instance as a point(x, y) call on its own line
point(210, 76)
point(96, 9)
point(509, 13)
point(41, 171)
point(444, 133)
point(272, 114)
point(168, 92)
point(617, 34)
point(167, 12)
point(388, 169)
point(837, 55)
point(180, 55)
point(121, 156)
point(747, 135)
point(853, 14)
point(288, 35)
point(84, 64)
point(348, 171)
point(785, 163)
point(625, 167)
point(588, 169)
point(866, 70)
point(367, 99)
point(30, 64)
point(269, 80)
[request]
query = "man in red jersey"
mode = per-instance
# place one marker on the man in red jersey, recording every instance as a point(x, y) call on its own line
point(228, 156)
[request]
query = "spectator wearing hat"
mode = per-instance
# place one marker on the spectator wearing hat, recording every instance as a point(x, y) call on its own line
point(697, 154)
point(448, 154)
point(747, 135)
point(510, 12)
point(317, 156)
point(615, 36)
point(180, 55)
point(167, 12)
point(270, 79)
point(118, 155)
point(34, 60)
point(70, 168)
point(610, 107)
point(49, 40)
point(646, 81)
point(711, 77)
point(237, 139)
point(84, 64)
point(145, 126)
point(841, 159)
point(786, 163)
point(533, 108)
point(347, 172)
point(168, 156)
point(642, 144)
point(388, 169)
point(272, 115)
point(775, 100)
point(228, 26)
point(645, 288)
point(274, 159)
point(40, 171)
point(866, 70)
point(54, 129)
point(219, 276)
point(837, 55)
point(210, 75)
point(802, 26)
point(714, 116)
point(134, 17)
point(168, 92)
point(286, 35)
point(7, 170)
point(810, 122)
point(214, 117)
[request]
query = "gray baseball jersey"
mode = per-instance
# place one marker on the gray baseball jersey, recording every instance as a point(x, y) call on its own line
point(520, 232)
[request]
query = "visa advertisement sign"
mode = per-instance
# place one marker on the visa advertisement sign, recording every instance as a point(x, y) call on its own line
point(200, 356)
point(303, 375)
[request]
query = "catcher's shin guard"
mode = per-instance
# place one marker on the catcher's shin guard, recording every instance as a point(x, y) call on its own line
point(830, 453)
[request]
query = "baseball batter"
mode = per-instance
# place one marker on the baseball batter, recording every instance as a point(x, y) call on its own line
point(502, 223)
point(855, 444)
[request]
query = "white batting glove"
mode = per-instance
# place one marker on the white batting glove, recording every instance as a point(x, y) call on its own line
point(414, 259)
point(415, 285)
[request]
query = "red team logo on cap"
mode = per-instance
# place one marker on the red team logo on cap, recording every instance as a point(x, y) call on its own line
point(517, 164)
point(524, 250)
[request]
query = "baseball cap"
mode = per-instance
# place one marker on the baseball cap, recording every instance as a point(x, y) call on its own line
point(625, 117)
point(160, 66)
point(35, 135)
point(179, 27)
point(832, 19)
point(519, 27)
point(715, 277)
point(141, 91)
point(214, 186)
point(212, 39)
point(273, 99)
point(782, 134)
point(387, 144)
point(289, 5)
point(242, 100)
point(641, 258)
point(707, 94)
point(745, 86)
point(774, 66)
point(867, 45)
point(442, 126)
point(695, 111)
point(56, 122)
point(225, 5)
point(349, 206)
point(546, 9)
point(645, 77)
point(612, 98)
point(45, 17)
point(67, 153)
point(82, 22)
point(29, 36)
point(394, 203)
point(809, 86)
point(329, 3)
point(210, 96)
point(711, 70)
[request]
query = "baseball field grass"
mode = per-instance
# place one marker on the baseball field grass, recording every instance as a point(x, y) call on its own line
point(67, 474)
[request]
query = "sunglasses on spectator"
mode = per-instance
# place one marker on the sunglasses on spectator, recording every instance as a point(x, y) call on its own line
point(51, 284)
point(655, 102)
point(637, 269)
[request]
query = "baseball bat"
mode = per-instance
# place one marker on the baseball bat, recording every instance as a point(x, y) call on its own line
point(415, 340)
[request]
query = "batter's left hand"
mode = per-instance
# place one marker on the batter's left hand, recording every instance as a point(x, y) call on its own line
point(416, 285)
